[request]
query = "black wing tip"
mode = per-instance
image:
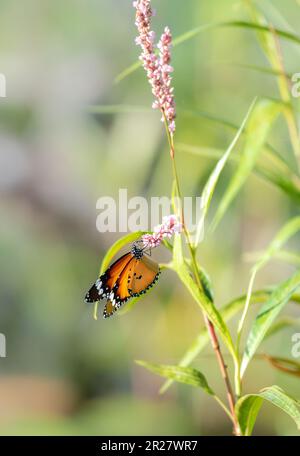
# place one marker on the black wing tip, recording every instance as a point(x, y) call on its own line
point(97, 291)
point(88, 299)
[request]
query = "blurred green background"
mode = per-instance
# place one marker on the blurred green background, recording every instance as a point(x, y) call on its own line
point(66, 373)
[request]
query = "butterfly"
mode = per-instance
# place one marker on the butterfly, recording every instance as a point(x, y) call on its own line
point(130, 276)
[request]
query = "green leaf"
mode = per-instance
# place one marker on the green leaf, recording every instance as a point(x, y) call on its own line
point(228, 312)
point(179, 374)
point(270, 45)
point(259, 126)
point(204, 278)
point(266, 30)
point(247, 407)
point(272, 10)
point(199, 295)
point(273, 155)
point(127, 71)
point(117, 246)
point(289, 183)
point(204, 27)
point(288, 230)
point(202, 151)
point(211, 183)
point(280, 296)
point(282, 323)
point(289, 257)
point(259, 69)
point(206, 283)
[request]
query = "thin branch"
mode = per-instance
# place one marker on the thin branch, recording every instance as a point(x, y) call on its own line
point(210, 327)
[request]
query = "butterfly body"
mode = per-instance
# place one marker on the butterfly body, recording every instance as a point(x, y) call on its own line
point(130, 276)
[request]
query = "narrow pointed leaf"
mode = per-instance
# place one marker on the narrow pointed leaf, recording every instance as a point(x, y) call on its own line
point(288, 182)
point(211, 183)
point(248, 407)
point(259, 69)
point(270, 44)
point(282, 323)
point(289, 257)
point(185, 375)
point(227, 312)
point(273, 154)
point(287, 231)
point(259, 126)
point(280, 296)
point(190, 34)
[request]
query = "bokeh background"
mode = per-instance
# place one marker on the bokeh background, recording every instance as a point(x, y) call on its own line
point(66, 373)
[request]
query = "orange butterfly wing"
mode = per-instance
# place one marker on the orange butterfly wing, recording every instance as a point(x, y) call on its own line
point(120, 292)
point(115, 270)
point(136, 278)
point(145, 274)
point(127, 277)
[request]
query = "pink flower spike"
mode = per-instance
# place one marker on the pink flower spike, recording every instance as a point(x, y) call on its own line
point(157, 67)
point(151, 241)
point(167, 229)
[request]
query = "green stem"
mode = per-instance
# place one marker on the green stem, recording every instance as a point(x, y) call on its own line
point(226, 410)
point(246, 309)
point(237, 376)
point(208, 323)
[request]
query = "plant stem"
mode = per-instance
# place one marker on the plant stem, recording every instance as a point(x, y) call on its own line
point(226, 410)
point(246, 309)
point(223, 369)
point(216, 347)
point(210, 327)
point(237, 376)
